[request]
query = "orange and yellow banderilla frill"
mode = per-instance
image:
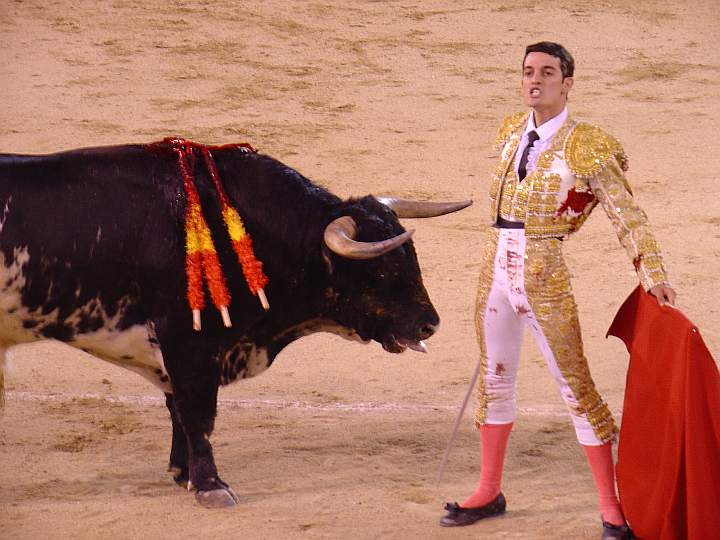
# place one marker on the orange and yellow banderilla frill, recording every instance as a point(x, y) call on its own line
point(201, 259)
point(241, 241)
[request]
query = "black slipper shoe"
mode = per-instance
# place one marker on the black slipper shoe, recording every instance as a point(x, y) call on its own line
point(616, 532)
point(457, 516)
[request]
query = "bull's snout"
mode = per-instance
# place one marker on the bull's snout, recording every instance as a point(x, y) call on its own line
point(414, 334)
point(426, 323)
point(427, 330)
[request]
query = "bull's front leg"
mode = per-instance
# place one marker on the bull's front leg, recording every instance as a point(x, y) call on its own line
point(193, 406)
point(178, 464)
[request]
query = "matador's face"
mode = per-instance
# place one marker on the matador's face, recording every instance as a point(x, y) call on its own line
point(543, 87)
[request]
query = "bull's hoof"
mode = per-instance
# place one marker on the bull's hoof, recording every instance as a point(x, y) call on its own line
point(180, 476)
point(217, 498)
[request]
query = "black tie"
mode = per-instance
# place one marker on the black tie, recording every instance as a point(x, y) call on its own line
point(522, 168)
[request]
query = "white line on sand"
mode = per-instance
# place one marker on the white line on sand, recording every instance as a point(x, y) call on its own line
point(229, 403)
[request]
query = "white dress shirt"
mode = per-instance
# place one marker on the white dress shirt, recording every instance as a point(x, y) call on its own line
point(545, 132)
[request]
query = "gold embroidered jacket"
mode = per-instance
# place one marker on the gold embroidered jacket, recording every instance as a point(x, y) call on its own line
point(583, 166)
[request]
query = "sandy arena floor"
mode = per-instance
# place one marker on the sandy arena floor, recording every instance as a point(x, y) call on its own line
point(340, 440)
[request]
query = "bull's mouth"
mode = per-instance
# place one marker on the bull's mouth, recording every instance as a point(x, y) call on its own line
point(396, 344)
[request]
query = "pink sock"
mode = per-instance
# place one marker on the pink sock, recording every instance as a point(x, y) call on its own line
point(493, 441)
point(601, 465)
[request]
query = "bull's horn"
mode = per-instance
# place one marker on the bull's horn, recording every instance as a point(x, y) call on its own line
point(422, 209)
point(339, 237)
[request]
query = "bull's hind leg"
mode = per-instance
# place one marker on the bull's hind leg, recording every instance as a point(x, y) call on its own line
point(193, 406)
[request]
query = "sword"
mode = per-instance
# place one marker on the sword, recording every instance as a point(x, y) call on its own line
point(473, 380)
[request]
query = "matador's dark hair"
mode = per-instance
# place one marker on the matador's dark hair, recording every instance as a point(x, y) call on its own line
point(567, 62)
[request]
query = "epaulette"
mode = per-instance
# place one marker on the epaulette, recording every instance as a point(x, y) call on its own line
point(510, 124)
point(588, 149)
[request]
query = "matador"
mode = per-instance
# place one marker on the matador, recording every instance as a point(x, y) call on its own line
point(552, 172)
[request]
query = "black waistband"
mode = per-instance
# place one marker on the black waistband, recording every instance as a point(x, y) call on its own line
point(505, 224)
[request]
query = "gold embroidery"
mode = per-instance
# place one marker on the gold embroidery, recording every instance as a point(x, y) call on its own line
point(547, 282)
point(588, 149)
point(630, 224)
point(544, 160)
point(499, 179)
point(647, 244)
point(582, 185)
point(509, 188)
point(487, 272)
point(494, 190)
point(598, 161)
point(509, 126)
point(540, 219)
point(520, 201)
point(541, 203)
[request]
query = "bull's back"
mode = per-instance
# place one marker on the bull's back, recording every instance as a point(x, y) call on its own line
point(90, 205)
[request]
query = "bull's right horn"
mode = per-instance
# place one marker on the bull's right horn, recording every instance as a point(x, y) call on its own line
point(339, 237)
point(405, 208)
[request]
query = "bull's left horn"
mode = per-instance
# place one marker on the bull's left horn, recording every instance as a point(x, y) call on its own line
point(422, 209)
point(339, 237)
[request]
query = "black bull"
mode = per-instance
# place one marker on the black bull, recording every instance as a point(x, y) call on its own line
point(92, 243)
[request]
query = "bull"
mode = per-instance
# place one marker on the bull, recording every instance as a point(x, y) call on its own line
point(93, 245)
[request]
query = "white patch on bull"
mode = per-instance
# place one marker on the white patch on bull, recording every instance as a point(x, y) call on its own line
point(256, 361)
point(345, 333)
point(98, 235)
point(12, 312)
point(331, 327)
point(5, 212)
point(129, 348)
point(320, 325)
point(243, 360)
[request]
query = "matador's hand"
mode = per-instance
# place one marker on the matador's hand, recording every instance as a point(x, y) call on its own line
point(664, 294)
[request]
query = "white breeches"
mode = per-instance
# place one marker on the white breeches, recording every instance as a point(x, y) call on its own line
point(507, 312)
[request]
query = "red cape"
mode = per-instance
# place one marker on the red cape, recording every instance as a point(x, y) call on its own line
point(668, 469)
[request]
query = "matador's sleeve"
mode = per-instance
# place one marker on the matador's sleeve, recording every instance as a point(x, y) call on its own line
point(600, 159)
